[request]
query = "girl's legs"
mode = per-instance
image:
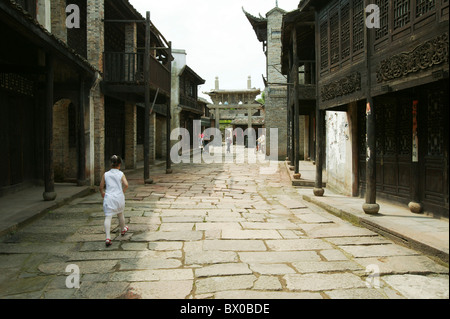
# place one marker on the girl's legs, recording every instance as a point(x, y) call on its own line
point(121, 221)
point(108, 226)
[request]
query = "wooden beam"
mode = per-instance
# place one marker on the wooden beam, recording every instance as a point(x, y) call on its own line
point(318, 187)
point(81, 178)
point(147, 179)
point(49, 182)
point(296, 104)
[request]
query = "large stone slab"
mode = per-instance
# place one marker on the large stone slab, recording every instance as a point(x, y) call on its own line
point(234, 245)
point(161, 289)
point(153, 275)
point(269, 225)
point(326, 266)
point(323, 282)
point(420, 287)
point(278, 257)
point(215, 284)
point(358, 293)
point(223, 270)
point(250, 234)
point(297, 244)
point(404, 265)
point(272, 269)
point(334, 230)
point(251, 294)
point(378, 250)
point(209, 257)
point(169, 236)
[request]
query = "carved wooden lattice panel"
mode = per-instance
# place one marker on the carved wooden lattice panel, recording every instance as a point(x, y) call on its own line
point(334, 37)
point(435, 132)
point(402, 15)
point(345, 30)
point(324, 45)
point(358, 25)
point(424, 6)
point(384, 19)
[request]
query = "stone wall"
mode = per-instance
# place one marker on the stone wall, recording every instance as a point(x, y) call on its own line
point(276, 95)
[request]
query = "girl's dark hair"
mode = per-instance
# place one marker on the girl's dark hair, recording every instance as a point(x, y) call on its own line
point(115, 161)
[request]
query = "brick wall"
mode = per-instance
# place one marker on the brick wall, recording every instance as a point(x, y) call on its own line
point(64, 155)
point(276, 95)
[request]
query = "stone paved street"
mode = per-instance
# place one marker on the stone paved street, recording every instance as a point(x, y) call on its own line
point(212, 231)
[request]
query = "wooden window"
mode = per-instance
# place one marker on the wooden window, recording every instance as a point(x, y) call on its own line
point(384, 19)
point(358, 25)
point(402, 14)
point(334, 37)
point(345, 30)
point(424, 6)
point(324, 45)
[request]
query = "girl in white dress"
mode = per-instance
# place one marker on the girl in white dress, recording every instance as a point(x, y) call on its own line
point(116, 184)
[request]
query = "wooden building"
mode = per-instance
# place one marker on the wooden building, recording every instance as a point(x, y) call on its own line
point(40, 76)
point(391, 85)
point(72, 97)
point(137, 87)
point(299, 66)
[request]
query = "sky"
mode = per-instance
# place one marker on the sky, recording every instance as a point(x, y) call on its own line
point(218, 38)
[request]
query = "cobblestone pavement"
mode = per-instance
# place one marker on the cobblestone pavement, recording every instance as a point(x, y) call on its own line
point(212, 231)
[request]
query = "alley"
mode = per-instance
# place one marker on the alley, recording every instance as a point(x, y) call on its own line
point(223, 231)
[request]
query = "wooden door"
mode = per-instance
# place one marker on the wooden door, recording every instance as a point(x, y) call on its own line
point(114, 129)
point(433, 147)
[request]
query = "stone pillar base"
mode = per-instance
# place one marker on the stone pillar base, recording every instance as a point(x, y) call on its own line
point(371, 209)
point(49, 196)
point(297, 176)
point(318, 192)
point(148, 181)
point(416, 208)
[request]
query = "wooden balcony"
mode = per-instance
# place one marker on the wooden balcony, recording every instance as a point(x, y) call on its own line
point(190, 104)
point(123, 70)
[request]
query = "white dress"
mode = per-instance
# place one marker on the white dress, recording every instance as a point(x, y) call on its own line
point(114, 201)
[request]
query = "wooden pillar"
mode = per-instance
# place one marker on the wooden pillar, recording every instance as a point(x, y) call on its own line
point(296, 106)
point(292, 128)
point(414, 205)
point(288, 121)
point(81, 180)
point(320, 141)
point(370, 206)
point(49, 182)
point(318, 189)
point(168, 126)
point(147, 179)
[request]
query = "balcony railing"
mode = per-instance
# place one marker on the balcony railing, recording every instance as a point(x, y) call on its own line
point(128, 68)
point(190, 102)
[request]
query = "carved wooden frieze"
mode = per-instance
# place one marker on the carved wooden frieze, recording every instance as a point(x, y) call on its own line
point(424, 56)
point(341, 87)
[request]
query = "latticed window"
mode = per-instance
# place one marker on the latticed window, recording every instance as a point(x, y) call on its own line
point(358, 25)
point(424, 6)
point(402, 14)
point(324, 45)
point(334, 37)
point(345, 30)
point(384, 19)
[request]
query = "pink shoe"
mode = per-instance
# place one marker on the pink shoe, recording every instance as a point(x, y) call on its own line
point(124, 231)
point(108, 242)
